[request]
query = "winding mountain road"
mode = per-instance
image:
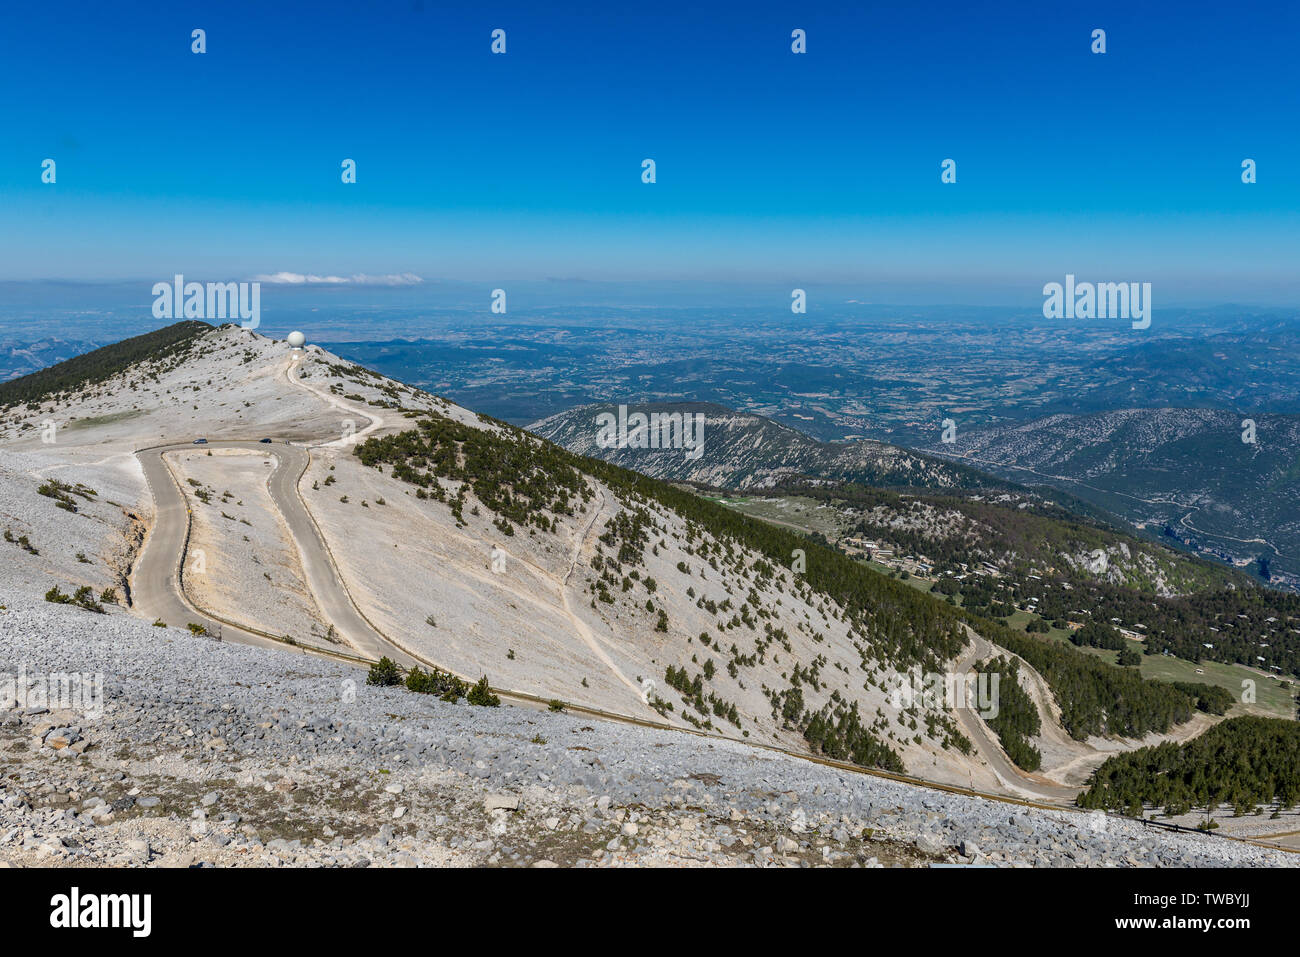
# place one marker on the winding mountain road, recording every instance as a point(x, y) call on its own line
point(159, 578)
point(986, 743)
point(156, 578)
point(159, 590)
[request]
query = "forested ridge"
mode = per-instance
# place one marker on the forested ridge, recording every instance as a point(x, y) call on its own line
point(99, 365)
point(1251, 626)
point(1020, 531)
point(1215, 614)
point(537, 478)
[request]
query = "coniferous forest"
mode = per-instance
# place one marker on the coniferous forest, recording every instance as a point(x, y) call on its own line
point(1017, 720)
point(1249, 763)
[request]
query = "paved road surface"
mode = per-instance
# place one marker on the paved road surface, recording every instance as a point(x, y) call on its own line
point(155, 579)
point(156, 585)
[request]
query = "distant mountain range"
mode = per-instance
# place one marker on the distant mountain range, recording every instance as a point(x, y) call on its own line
point(21, 358)
point(1191, 474)
point(1183, 475)
point(1073, 474)
point(740, 450)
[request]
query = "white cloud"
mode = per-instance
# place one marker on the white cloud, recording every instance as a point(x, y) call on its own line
point(360, 279)
point(392, 279)
point(297, 278)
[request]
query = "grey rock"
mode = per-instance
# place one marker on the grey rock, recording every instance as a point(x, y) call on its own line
point(930, 844)
point(504, 802)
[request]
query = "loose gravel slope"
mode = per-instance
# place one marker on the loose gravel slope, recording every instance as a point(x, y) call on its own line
point(220, 754)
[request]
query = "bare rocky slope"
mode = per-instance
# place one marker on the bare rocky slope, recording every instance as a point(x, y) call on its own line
point(593, 602)
point(215, 754)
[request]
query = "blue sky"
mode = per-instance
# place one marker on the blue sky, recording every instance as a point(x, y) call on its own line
point(815, 167)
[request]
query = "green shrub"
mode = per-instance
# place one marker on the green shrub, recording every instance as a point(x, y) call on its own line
point(384, 673)
point(85, 597)
point(482, 695)
point(441, 683)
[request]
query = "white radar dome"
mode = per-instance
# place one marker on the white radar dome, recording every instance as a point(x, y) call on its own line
point(296, 339)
